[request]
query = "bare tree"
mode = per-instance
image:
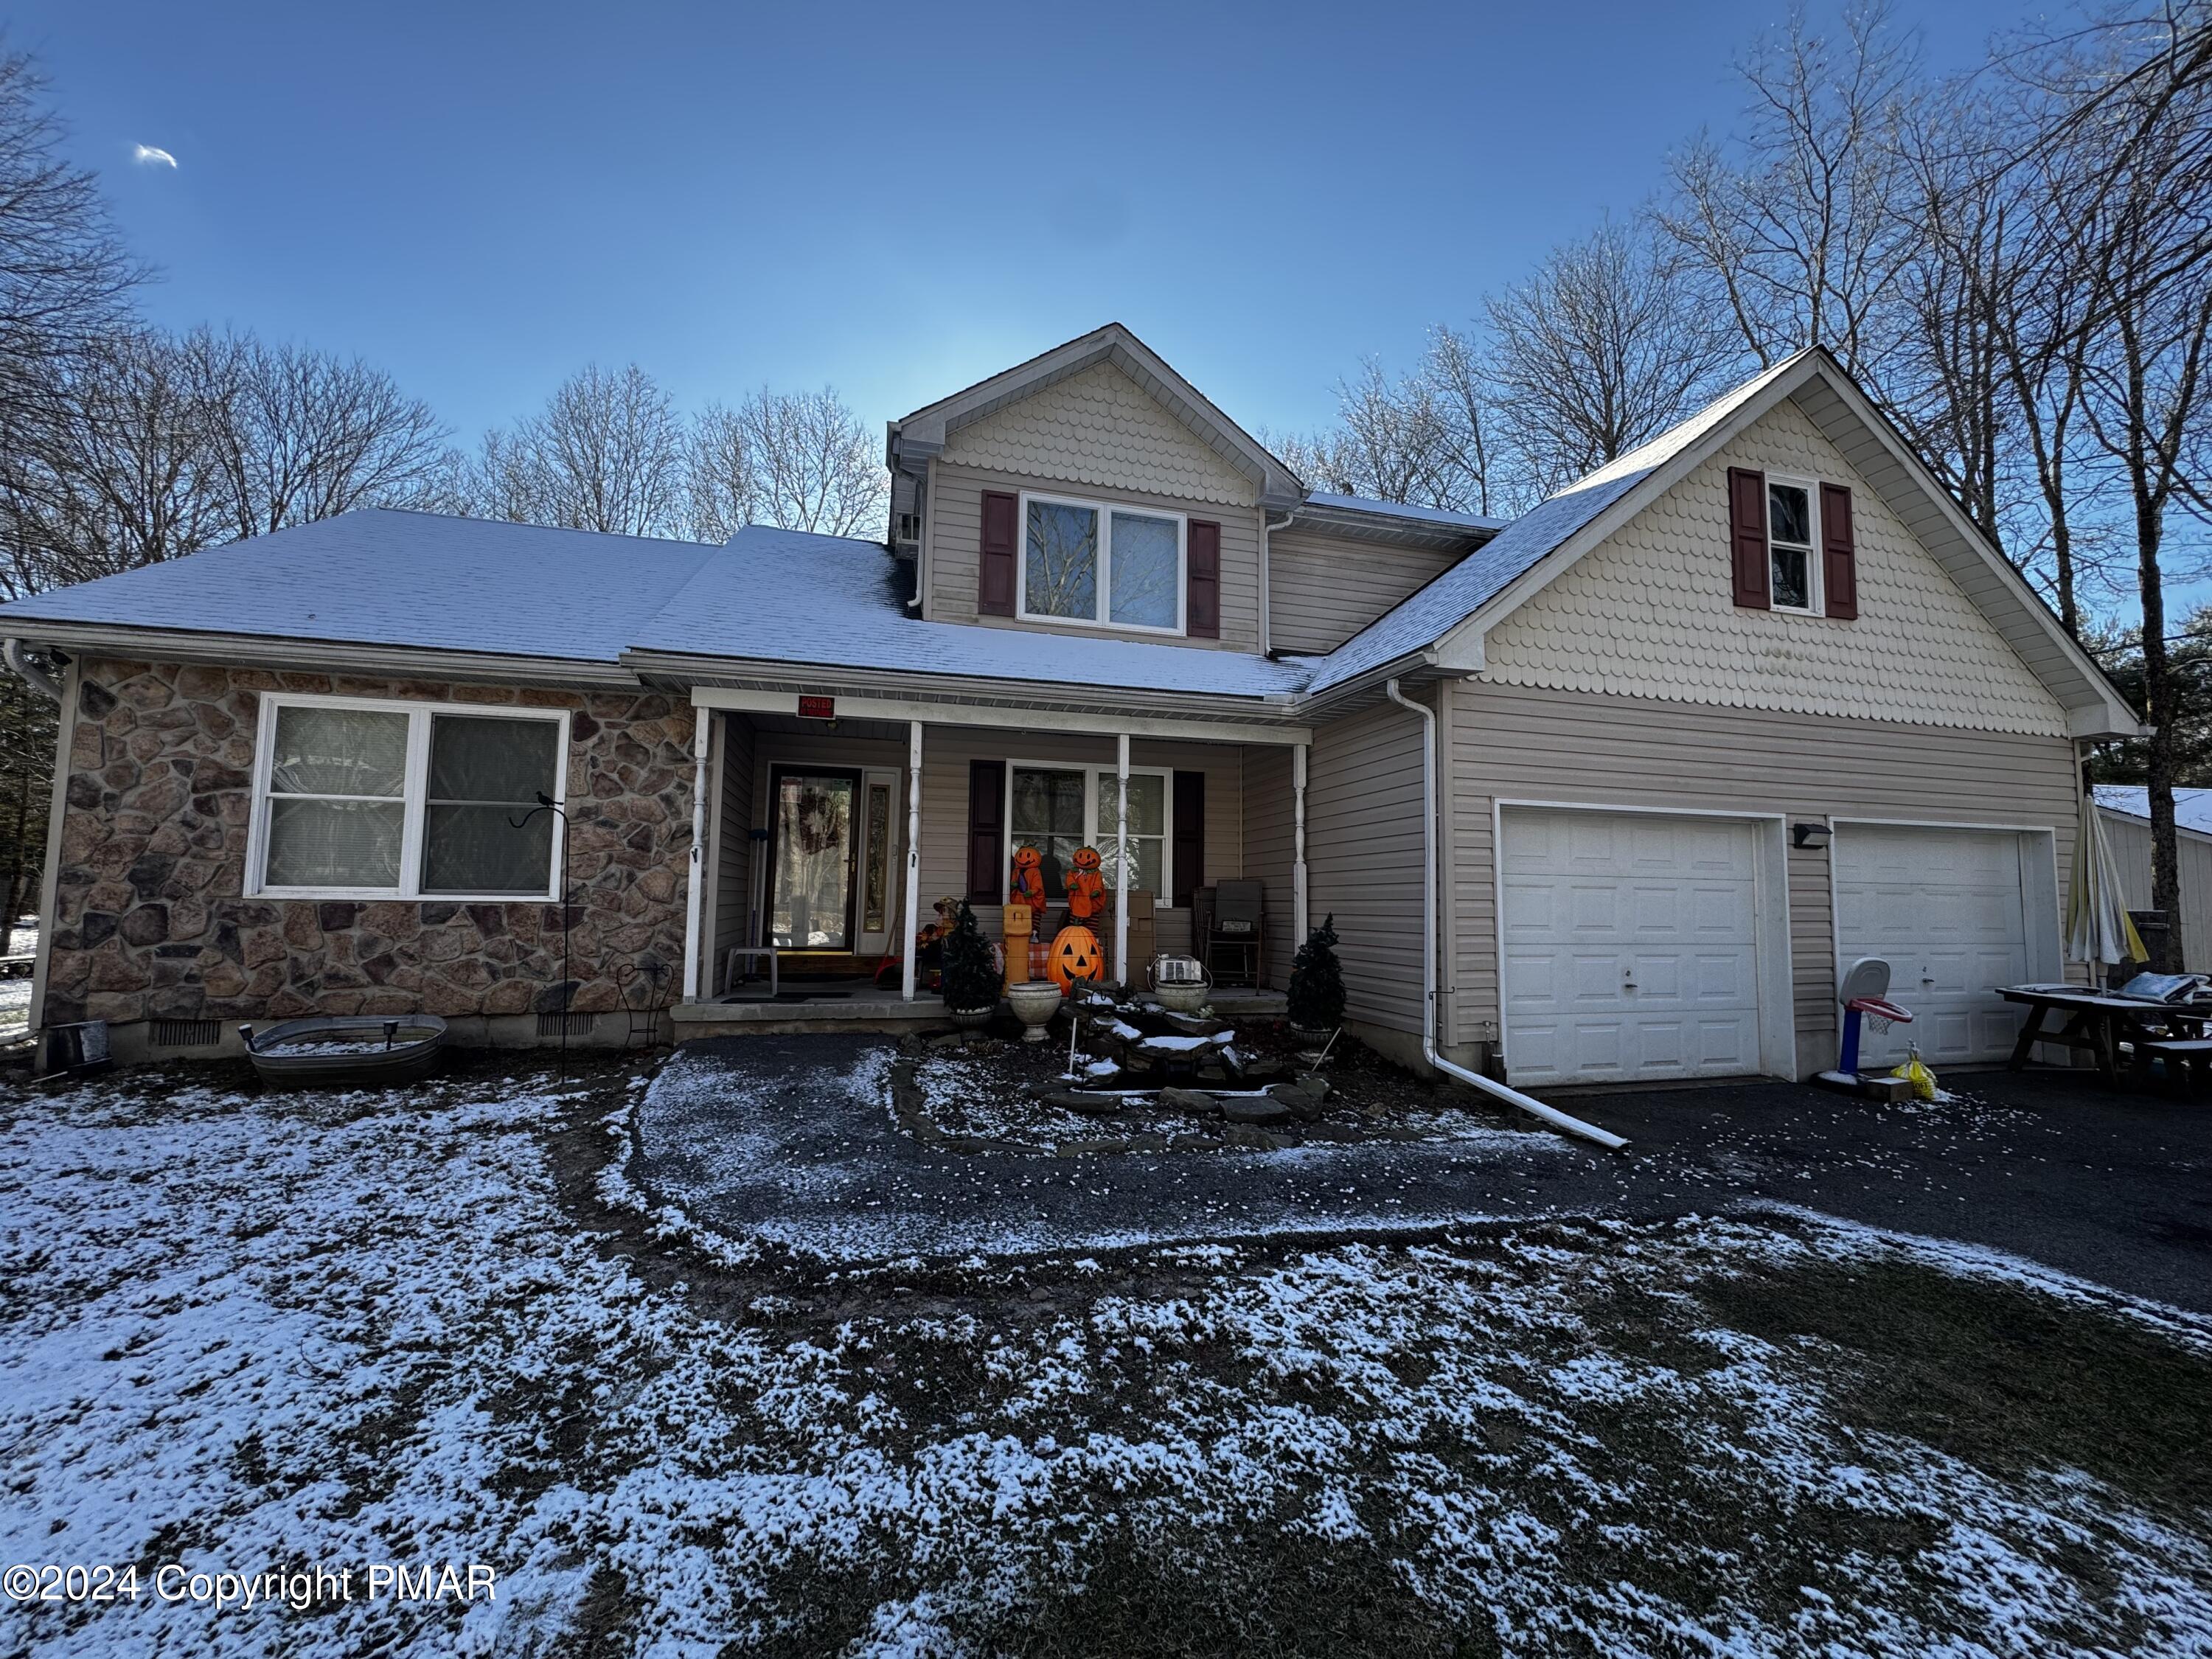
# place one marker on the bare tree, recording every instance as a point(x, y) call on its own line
point(606, 452)
point(303, 434)
point(799, 460)
point(1597, 352)
point(1792, 231)
point(1473, 456)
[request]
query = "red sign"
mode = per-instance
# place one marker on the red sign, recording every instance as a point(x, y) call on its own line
point(818, 708)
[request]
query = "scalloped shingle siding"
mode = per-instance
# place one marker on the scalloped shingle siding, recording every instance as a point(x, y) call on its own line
point(1649, 614)
point(1100, 428)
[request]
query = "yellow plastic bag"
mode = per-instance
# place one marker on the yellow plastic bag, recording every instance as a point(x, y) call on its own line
point(1915, 1071)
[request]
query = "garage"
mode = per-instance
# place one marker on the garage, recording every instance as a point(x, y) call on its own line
point(1956, 912)
point(1634, 946)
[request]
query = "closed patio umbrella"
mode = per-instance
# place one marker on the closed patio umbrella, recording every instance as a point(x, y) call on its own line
point(2098, 928)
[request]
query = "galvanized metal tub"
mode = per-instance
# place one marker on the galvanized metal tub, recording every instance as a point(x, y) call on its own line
point(359, 1050)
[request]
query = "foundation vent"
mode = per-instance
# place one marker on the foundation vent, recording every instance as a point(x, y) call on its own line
point(186, 1033)
point(577, 1025)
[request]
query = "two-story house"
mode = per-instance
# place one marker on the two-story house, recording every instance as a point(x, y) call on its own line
point(1603, 793)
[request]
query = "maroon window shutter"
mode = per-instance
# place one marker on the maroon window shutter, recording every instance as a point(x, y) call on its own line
point(1754, 576)
point(1202, 615)
point(995, 572)
point(1839, 553)
point(1188, 874)
point(987, 840)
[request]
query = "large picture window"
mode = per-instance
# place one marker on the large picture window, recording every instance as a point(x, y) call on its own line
point(1091, 561)
point(362, 799)
point(1057, 808)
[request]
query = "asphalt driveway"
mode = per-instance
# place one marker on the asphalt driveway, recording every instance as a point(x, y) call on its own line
point(788, 1140)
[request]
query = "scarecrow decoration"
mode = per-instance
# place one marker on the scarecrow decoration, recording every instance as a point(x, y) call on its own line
point(1028, 886)
point(1076, 953)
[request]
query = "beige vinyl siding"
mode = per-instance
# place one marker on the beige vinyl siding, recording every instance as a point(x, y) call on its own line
point(1363, 858)
point(1650, 613)
point(1270, 849)
point(733, 846)
point(955, 512)
point(1535, 744)
point(1321, 590)
point(2130, 839)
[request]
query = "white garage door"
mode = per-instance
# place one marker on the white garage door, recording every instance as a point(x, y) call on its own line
point(1630, 946)
point(1945, 907)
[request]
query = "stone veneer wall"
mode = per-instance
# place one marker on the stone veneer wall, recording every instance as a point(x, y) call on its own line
point(151, 918)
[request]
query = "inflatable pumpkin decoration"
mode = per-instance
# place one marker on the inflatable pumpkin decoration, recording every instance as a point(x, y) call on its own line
point(1086, 888)
point(1029, 882)
point(1075, 955)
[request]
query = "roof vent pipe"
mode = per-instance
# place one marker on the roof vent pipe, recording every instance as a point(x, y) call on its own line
point(1551, 1114)
point(29, 672)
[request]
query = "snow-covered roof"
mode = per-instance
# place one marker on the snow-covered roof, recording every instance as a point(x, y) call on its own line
point(788, 596)
point(2193, 808)
point(382, 577)
point(1401, 510)
point(1424, 616)
point(428, 581)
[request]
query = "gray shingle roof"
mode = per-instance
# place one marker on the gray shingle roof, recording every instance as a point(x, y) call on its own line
point(1424, 616)
point(381, 577)
point(786, 596)
point(1400, 510)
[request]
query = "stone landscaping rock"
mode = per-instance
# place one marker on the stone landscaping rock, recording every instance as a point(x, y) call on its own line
point(1194, 1101)
point(1255, 1109)
point(1296, 1101)
point(1091, 1105)
point(1259, 1139)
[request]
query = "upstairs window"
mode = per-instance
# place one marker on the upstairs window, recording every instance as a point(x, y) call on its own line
point(1790, 540)
point(355, 799)
point(1091, 561)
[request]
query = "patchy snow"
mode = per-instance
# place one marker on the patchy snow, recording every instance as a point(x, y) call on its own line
point(331, 1046)
point(14, 1006)
point(242, 1331)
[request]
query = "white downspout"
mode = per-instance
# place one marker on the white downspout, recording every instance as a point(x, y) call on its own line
point(1121, 861)
point(1552, 1115)
point(31, 674)
point(913, 858)
point(1301, 923)
point(1267, 579)
point(695, 899)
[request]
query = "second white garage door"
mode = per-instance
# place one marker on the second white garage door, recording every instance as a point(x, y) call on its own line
point(1945, 908)
point(1631, 946)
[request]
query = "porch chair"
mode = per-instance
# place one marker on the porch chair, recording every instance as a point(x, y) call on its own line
point(1233, 941)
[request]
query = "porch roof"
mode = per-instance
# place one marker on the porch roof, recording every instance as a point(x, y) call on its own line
point(788, 596)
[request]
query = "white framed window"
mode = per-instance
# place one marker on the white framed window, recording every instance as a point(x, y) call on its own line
point(1104, 564)
point(361, 798)
point(1793, 542)
point(1056, 808)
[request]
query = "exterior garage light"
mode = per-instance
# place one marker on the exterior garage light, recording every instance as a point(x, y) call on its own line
point(1815, 836)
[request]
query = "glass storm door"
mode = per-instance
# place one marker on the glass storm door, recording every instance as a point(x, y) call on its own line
point(878, 839)
point(812, 814)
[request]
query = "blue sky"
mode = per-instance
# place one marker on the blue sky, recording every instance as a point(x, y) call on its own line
point(481, 198)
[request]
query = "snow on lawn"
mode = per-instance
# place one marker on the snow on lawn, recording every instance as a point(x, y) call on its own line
point(249, 1332)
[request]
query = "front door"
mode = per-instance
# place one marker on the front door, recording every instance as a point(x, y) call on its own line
point(813, 813)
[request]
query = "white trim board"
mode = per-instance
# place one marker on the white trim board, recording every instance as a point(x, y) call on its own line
point(1778, 1021)
point(1012, 720)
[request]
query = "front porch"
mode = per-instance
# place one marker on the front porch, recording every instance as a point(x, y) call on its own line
point(829, 836)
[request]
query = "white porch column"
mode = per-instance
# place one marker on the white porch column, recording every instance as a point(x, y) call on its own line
point(694, 902)
point(1122, 859)
point(913, 857)
point(1298, 919)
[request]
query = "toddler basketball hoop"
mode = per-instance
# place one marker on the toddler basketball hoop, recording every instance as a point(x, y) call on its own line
point(1865, 997)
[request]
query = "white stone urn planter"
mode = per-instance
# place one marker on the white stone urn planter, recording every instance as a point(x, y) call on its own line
point(1034, 1003)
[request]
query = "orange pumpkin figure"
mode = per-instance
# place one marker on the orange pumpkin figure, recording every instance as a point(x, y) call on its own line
point(1075, 955)
point(1028, 886)
point(1086, 888)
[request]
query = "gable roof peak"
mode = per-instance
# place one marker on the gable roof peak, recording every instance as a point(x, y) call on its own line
point(923, 433)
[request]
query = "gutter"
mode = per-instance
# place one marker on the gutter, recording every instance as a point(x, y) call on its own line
point(330, 656)
point(1551, 1114)
point(29, 672)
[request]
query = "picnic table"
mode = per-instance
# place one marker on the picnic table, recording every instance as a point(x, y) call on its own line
point(2101, 1022)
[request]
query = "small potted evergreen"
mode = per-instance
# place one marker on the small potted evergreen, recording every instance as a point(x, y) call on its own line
point(1317, 997)
point(969, 978)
